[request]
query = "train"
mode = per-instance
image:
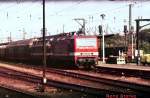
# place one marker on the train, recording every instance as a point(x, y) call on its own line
point(145, 59)
point(65, 48)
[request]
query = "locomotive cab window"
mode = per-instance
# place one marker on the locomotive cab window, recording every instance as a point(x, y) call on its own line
point(86, 42)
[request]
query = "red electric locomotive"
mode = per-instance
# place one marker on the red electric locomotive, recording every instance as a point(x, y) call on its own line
point(67, 48)
point(86, 50)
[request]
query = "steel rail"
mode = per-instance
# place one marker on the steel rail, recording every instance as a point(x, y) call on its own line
point(118, 83)
point(55, 83)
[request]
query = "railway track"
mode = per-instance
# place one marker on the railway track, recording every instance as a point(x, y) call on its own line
point(97, 78)
point(114, 85)
point(84, 86)
point(145, 74)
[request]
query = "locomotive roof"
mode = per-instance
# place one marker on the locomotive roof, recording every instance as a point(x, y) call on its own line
point(21, 42)
point(66, 35)
point(3, 44)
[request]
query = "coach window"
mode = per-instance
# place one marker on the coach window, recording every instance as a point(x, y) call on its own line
point(34, 43)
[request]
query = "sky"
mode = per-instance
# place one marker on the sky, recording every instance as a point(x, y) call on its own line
point(19, 17)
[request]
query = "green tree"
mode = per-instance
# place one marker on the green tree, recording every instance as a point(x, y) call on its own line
point(144, 39)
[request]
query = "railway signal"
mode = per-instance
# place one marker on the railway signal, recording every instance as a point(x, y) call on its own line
point(125, 33)
point(100, 29)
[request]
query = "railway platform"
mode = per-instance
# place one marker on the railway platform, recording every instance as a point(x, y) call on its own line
point(125, 66)
point(129, 69)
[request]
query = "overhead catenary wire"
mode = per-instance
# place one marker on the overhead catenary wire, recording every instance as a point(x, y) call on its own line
point(71, 7)
point(63, 11)
point(75, 5)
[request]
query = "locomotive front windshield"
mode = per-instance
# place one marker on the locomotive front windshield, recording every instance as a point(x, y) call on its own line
point(86, 42)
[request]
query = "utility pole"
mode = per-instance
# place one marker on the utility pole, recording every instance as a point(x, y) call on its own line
point(24, 34)
point(44, 52)
point(10, 38)
point(137, 42)
point(91, 28)
point(130, 17)
point(63, 28)
point(103, 39)
point(131, 30)
point(82, 24)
